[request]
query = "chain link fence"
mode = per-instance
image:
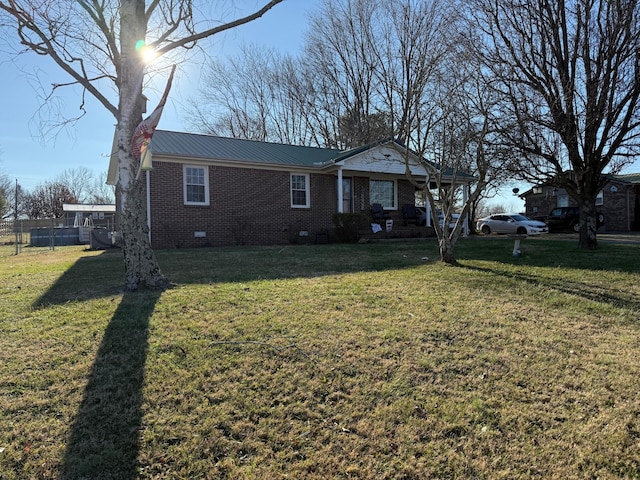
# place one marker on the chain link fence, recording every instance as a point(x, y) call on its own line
point(19, 232)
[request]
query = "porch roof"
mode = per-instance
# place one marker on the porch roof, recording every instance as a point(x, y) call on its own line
point(446, 172)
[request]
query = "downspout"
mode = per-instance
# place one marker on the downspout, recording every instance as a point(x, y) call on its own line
point(148, 203)
point(427, 204)
point(340, 192)
point(628, 209)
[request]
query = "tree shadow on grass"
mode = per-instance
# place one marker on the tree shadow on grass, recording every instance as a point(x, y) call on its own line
point(103, 441)
point(592, 292)
point(90, 277)
point(104, 438)
point(543, 251)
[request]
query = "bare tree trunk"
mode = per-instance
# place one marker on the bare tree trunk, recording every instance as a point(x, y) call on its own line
point(447, 252)
point(85, 40)
point(588, 226)
point(141, 266)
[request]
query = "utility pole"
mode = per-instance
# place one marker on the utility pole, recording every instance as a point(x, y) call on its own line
point(52, 240)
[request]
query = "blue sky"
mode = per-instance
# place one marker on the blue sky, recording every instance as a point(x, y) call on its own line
point(26, 157)
point(31, 160)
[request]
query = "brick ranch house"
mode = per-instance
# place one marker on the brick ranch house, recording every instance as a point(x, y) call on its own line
point(619, 202)
point(206, 190)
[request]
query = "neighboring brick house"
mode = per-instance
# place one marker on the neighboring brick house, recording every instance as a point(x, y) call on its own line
point(619, 202)
point(208, 190)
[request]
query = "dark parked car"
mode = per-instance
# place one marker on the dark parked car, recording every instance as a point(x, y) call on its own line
point(568, 218)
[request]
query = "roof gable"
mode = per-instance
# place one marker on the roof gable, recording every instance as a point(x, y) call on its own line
point(384, 157)
point(388, 156)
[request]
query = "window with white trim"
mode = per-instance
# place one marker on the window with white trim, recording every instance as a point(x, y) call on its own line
point(196, 185)
point(600, 198)
point(300, 197)
point(383, 192)
point(563, 200)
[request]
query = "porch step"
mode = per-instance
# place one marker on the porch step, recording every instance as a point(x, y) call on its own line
point(398, 231)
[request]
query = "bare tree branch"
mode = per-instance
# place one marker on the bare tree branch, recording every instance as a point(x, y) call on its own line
point(569, 73)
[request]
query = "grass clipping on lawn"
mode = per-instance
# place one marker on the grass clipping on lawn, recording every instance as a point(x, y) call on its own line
point(329, 361)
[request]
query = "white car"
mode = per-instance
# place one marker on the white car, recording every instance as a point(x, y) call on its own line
point(422, 218)
point(511, 223)
point(452, 222)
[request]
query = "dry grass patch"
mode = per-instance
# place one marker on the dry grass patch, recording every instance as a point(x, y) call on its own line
point(334, 361)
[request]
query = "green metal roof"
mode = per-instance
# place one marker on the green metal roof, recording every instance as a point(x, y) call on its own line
point(192, 145)
point(211, 147)
point(633, 178)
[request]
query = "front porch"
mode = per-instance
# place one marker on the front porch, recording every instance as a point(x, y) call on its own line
point(363, 232)
point(398, 231)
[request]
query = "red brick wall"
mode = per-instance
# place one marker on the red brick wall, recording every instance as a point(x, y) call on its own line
point(618, 207)
point(248, 207)
point(540, 204)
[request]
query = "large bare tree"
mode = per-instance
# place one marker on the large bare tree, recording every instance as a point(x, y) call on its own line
point(440, 108)
point(5, 195)
point(405, 61)
point(46, 200)
point(78, 180)
point(368, 72)
point(325, 97)
point(97, 43)
point(340, 61)
point(254, 95)
point(569, 71)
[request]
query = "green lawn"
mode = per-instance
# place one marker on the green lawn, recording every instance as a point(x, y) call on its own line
point(370, 361)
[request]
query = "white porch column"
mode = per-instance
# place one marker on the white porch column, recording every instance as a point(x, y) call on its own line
point(465, 197)
point(427, 203)
point(340, 192)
